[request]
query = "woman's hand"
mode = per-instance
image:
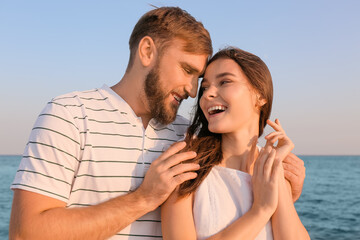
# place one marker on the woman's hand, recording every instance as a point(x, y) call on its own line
point(284, 146)
point(265, 181)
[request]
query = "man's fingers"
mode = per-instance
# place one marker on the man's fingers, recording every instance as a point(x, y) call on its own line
point(179, 179)
point(293, 159)
point(173, 149)
point(184, 167)
point(178, 158)
point(294, 164)
point(290, 176)
point(292, 173)
point(293, 169)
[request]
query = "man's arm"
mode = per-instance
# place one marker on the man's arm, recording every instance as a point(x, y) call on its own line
point(35, 216)
point(294, 171)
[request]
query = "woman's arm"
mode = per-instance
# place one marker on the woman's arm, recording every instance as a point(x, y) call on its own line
point(285, 222)
point(177, 220)
point(247, 226)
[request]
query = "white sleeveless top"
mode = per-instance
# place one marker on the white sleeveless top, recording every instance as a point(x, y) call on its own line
point(223, 197)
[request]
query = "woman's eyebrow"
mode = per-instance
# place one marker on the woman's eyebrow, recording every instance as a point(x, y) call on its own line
point(220, 75)
point(203, 81)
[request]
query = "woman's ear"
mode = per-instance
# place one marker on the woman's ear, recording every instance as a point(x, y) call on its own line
point(260, 101)
point(146, 51)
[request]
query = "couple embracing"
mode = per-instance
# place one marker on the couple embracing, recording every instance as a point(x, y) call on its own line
point(96, 164)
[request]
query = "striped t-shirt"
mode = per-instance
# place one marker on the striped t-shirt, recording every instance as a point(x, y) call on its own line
point(88, 147)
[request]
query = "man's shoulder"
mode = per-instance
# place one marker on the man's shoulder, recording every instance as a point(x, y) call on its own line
point(180, 124)
point(78, 96)
point(77, 103)
point(180, 120)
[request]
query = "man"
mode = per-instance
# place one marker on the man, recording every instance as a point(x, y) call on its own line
point(95, 165)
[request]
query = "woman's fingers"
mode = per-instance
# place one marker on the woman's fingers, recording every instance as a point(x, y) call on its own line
point(256, 165)
point(275, 125)
point(277, 121)
point(273, 134)
point(261, 160)
point(276, 137)
point(276, 170)
point(281, 137)
point(268, 165)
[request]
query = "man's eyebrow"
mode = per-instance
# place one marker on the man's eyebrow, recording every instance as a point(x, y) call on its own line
point(191, 68)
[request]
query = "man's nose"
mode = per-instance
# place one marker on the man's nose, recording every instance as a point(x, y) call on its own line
point(191, 88)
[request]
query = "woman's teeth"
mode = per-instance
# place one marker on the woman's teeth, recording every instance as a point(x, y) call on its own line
point(216, 109)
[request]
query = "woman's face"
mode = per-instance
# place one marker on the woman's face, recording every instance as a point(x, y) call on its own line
point(228, 101)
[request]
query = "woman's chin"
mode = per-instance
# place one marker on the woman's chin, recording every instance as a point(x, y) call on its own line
point(216, 129)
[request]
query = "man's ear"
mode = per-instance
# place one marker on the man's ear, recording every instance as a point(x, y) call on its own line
point(146, 51)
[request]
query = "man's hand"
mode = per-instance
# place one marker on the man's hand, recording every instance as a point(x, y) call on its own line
point(294, 172)
point(166, 173)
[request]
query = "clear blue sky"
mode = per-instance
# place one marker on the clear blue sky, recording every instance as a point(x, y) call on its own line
point(312, 48)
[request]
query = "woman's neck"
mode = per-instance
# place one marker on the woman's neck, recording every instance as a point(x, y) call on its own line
point(240, 150)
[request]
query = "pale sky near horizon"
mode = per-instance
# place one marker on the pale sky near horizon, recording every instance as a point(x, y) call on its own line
point(312, 48)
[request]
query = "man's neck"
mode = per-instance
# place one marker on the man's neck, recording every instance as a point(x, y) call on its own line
point(131, 90)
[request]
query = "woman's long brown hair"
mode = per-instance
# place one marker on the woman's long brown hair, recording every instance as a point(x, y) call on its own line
point(208, 144)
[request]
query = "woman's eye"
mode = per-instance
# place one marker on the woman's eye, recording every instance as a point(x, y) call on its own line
point(224, 82)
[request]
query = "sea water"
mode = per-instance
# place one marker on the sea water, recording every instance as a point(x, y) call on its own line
point(329, 206)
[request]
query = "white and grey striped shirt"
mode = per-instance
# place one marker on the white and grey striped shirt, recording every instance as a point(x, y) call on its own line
point(88, 147)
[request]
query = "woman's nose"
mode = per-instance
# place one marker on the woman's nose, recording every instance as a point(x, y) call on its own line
point(210, 92)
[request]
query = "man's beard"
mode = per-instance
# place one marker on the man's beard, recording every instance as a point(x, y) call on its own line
point(156, 99)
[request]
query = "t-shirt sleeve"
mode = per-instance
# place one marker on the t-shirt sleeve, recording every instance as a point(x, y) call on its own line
point(51, 156)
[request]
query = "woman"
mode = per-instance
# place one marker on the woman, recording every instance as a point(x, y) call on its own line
point(240, 191)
